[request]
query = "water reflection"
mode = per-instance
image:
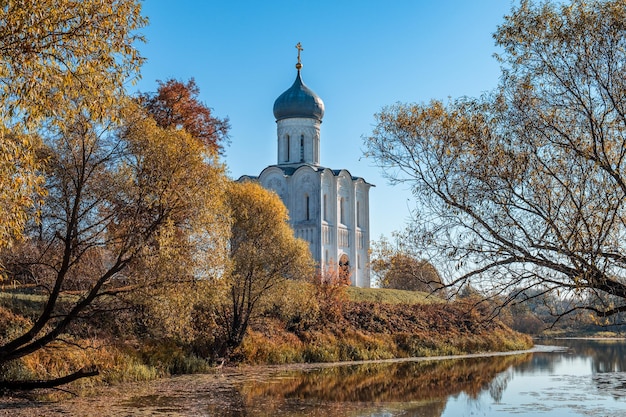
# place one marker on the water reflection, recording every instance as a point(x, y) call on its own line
point(415, 388)
point(607, 362)
point(607, 355)
point(589, 379)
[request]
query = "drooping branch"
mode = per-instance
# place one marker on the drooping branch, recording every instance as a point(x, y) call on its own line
point(50, 383)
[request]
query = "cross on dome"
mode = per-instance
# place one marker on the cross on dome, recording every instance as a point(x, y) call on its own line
point(300, 49)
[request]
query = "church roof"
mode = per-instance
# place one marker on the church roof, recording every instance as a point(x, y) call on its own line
point(299, 101)
point(288, 171)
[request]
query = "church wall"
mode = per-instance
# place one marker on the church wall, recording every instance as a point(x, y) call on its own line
point(345, 220)
point(274, 179)
point(362, 235)
point(329, 222)
point(330, 233)
point(344, 204)
point(292, 133)
point(305, 208)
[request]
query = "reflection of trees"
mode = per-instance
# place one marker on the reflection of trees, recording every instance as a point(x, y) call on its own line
point(606, 355)
point(425, 385)
point(540, 362)
point(608, 363)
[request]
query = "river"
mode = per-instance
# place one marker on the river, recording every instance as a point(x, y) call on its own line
point(570, 378)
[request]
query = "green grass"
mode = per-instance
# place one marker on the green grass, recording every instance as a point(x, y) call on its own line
point(389, 296)
point(24, 304)
point(34, 298)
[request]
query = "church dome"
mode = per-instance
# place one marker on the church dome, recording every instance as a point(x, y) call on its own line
point(299, 101)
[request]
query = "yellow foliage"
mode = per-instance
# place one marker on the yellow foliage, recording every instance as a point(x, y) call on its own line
point(263, 252)
point(174, 174)
point(20, 183)
point(60, 58)
point(262, 245)
point(55, 52)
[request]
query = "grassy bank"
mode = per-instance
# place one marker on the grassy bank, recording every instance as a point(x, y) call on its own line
point(391, 296)
point(366, 330)
point(299, 323)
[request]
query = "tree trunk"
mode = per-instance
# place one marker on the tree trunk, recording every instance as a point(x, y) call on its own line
point(30, 385)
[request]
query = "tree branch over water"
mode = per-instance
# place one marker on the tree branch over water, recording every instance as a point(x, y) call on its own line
point(526, 186)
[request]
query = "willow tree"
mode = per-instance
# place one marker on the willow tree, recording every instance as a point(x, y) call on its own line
point(54, 54)
point(263, 254)
point(526, 187)
point(129, 208)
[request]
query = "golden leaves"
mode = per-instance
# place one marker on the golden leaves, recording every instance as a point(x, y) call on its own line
point(20, 184)
point(261, 238)
point(57, 52)
point(60, 58)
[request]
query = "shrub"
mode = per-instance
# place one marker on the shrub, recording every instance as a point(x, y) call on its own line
point(295, 303)
point(331, 294)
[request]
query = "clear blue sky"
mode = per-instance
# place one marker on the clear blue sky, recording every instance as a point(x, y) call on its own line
point(358, 57)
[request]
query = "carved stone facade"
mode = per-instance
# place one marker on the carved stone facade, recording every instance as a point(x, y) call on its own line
point(330, 210)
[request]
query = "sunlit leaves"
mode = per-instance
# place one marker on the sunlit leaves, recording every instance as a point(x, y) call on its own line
point(20, 183)
point(263, 253)
point(176, 106)
point(131, 209)
point(55, 52)
point(60, 59)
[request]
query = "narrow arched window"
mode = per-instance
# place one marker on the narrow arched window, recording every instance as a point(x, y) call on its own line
point(288, 139)
point(308, 207)
point(358, 214)
point(301, 148)
point(325, 208)
point(342, 218)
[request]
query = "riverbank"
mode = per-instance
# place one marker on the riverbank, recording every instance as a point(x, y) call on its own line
point(365, 330)
point(234, 390)
point(300, 324)
point(323, 365)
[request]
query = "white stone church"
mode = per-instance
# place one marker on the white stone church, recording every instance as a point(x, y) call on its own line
point(329, 208)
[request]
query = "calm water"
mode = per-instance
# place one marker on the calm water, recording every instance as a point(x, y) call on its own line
point(587, 379)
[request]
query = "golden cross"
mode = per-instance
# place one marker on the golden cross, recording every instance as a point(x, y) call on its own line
point(300, 49)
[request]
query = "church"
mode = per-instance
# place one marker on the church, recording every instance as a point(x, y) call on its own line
point(329, 208)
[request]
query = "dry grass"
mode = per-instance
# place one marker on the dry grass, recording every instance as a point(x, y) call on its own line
point(366, 330)
point(389, 296)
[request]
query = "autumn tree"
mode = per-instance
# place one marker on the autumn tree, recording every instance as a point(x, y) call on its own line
point(176, 105)
point(525, 188)
point(55, 53)
point(263, 253)
point(129, 207)
point(397, 267)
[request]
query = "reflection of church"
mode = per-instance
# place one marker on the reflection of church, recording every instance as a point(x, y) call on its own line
point(329, 208)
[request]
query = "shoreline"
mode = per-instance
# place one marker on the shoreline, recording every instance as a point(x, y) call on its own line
point(321, 365)
point(588, 338)
point(135, 398)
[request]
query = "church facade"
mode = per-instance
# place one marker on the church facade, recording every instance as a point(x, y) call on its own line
point(329, 208)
